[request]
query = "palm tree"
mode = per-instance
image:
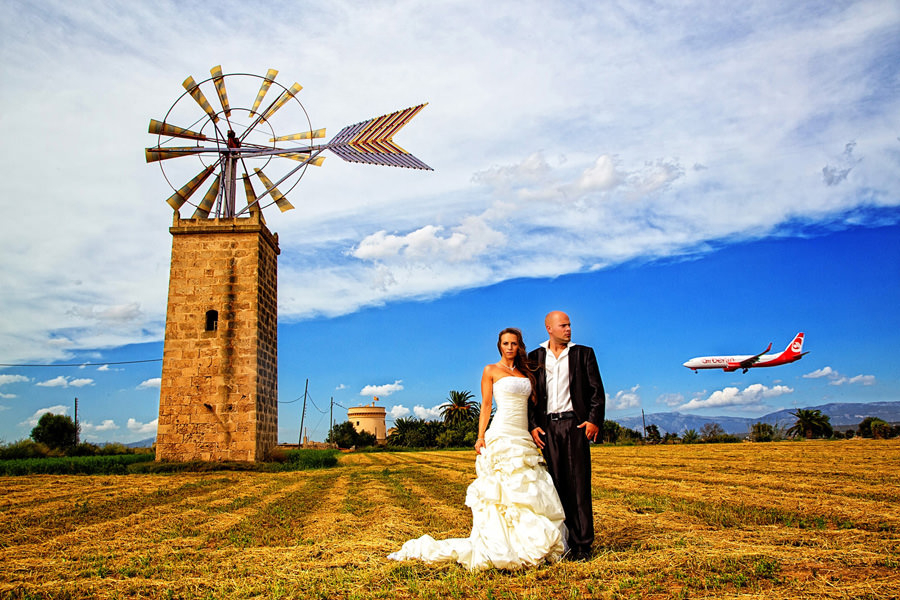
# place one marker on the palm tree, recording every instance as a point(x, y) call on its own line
point(690, 437)
point(460, 408)
point(811, 424)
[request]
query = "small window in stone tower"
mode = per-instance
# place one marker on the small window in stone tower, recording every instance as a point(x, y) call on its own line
point(212, 320)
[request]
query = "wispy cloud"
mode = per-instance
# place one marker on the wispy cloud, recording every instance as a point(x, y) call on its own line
point(145, 429)
point(8, 379)
point(398, 411)
point(624, 399)
point(65, 381)
point(429, 414)
point(835, 378)
point(382, 390)
point(148, 384)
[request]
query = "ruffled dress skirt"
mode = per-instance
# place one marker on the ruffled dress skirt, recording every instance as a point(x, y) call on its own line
point(517, 518)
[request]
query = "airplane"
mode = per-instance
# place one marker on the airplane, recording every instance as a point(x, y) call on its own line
point(732, 363)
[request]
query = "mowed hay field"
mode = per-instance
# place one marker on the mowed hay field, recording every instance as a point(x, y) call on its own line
point(778, 520)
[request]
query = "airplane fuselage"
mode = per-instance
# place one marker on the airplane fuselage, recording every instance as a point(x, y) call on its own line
point(750, 361)
point(723, 362)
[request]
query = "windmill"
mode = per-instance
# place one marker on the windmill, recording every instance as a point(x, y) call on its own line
point(239, 147)
point(219, 384)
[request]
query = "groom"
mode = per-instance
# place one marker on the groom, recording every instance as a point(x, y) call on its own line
point(568, 415)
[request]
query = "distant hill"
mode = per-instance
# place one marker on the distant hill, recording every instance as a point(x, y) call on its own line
point(841, 415)
point(147, 443)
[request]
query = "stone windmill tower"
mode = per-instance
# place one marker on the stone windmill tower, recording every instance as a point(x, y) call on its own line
point(219, 392)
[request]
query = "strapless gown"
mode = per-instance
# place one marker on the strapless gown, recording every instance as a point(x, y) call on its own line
point(517, 518)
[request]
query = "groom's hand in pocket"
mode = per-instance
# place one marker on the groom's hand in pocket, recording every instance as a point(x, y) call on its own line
point(590, 430)
point(536, 434)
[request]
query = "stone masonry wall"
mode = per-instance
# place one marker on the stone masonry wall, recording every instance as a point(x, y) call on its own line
point(219, 392)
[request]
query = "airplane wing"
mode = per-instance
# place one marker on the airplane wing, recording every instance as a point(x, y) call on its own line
point(748, 362)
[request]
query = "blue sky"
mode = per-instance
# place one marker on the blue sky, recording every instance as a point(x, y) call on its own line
point(683, 181)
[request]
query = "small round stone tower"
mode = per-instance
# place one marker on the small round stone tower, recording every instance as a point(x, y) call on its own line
point(368, 418)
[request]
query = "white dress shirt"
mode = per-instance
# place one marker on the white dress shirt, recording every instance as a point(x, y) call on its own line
point(558, 396)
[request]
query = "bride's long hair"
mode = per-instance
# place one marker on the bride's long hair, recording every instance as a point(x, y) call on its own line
point(521, 361)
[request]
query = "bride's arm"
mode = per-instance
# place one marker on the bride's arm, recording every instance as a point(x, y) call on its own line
point(487, 391)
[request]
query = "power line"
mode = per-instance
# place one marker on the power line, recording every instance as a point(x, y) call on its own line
point(87, 364)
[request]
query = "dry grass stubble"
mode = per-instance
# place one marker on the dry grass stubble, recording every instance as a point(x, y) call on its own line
point(787, 520)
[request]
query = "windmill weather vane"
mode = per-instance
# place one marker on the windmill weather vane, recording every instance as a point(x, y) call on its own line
point(244, 140)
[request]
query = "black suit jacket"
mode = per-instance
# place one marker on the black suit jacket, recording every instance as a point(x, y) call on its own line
point(585, 387)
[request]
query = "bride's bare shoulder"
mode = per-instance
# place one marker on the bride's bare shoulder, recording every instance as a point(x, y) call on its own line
point(493, 371)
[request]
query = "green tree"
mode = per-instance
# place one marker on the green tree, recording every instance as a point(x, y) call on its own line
point(610, 431)
point(346, 436)
point(460, 408)
point(711, 432)
point(653, 434)
point(811, 423)
point(762, 432)
point(690, 437)
point(415, 433)
point(867, 426)
point(55, 431)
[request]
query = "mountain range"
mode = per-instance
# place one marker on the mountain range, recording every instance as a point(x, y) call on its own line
point(842, 415)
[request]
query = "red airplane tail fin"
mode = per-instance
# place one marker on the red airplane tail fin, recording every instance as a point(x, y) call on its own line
point(795, 347)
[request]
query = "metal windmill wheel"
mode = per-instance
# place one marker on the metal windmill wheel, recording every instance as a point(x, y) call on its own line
point(246, 147)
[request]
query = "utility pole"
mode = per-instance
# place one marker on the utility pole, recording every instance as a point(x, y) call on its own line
point(303, 415)
point(76, 421)
point(331, 417)
point(644, 423)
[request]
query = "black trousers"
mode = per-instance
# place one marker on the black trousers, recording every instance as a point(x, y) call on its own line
point(568, 455)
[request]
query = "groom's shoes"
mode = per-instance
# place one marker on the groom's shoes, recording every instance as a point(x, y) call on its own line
point(578, 555)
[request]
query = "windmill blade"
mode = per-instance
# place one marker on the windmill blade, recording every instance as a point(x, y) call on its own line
point(203, 209)
point(219, 82)
point(287, 95)
point(303, 135)
point(197, 94)
point(371, 142)
point(280, 200)
point(252, 204)
point(304, 157)
point(160, 128)
point(263, 88)
point(159, 153)
point(178, 199)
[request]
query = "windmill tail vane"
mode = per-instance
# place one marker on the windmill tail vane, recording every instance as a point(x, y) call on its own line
point(368, 142)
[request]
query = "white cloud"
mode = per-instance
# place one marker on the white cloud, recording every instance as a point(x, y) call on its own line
point(835, 378)
point(58, 409)
point(144, 429)
point(861, 379)
point(382, 390)
point(601, 176)
point(624, 399)
point(7, 396)
point(750, 397)
point(341, 387)
point(153, 383)
point(595, 161)
point(109, 314)
point(671, 399)
point(398, 411)
point(65, 381)
point(90, 429)
point(823, 372)
point(61, 381)
point(429, 414)
point(7, 379)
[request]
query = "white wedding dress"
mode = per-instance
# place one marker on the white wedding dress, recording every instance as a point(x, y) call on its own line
point(517, 518)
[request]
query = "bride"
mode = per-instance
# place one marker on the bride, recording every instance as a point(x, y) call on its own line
point(517, 518)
